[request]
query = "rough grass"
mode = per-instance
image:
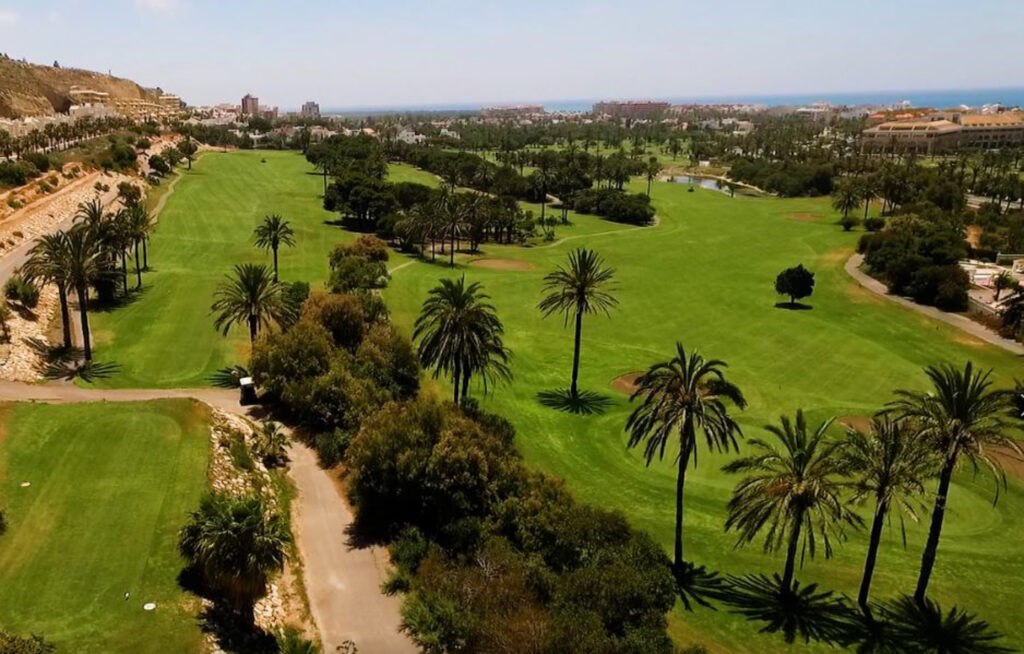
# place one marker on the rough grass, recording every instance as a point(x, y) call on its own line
point(111, 486)
point(705, 276)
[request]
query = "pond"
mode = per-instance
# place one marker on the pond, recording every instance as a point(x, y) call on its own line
point(703, 182)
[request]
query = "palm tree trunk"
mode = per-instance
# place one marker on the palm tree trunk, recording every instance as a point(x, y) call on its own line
point(931, 548)
point(451, 251)
point(456, 378)
point(65, 314)
point(83, 309)
point(138, 269)
point(275, 264)
point(869, 563)
point(465, 386)
point(145, 253)
point(253, 327)
point(576, 353)
point(684, 459)
point(124, 270)
point(794, 541)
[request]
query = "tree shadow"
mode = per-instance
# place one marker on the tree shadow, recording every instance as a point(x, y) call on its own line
point(793, 306)
point(799, 611)
point(698, 585)
point(119, 301)
point(57, 362)
point(234, 632)
point(583, 403)
point(925, 627)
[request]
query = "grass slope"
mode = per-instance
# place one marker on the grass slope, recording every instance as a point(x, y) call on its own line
point(111, 486)
point(165, 337)
point(704, 276)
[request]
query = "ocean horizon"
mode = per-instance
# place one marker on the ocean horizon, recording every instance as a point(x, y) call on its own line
point(938, 99)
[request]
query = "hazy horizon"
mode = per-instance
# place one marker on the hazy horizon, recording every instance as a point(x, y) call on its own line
point(397, 54)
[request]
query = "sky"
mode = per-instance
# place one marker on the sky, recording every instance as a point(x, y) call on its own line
point(374, 53)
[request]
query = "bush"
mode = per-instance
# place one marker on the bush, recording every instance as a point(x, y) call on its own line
point(352, 273)
point(340, 314)
point(17, 173)
point(12, 644)
point(632, 208)
point(37, 159)
point(331, 447)
point(281, 358)
point(20, 290)
point(874, 224)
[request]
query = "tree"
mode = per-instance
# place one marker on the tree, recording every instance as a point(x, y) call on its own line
point(585, 287)
point(846, 197)
point(797, 283)
point(237, 543)
point(249, 296)
point(651, 170)
point(793, 492)
point(272, 233)
point(138, 225)
point(1012, 313)
point(1004, 281)
point(682, 396)
point(460, 335)
point(188, 150)
point(48, 262)
point(889, 464)
point(85, 265)
point(961, 415)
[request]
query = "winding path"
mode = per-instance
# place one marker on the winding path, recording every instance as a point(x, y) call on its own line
point(343, 583)
point(964, 323)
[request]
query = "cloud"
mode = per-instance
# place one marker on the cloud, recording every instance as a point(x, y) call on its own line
point(161, 6)
point(8, 17)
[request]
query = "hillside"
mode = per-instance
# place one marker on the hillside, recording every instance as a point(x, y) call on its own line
point(33, 90)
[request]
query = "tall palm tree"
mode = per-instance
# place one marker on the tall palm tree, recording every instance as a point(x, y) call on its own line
point(48, 262)
point(460, 335)
point(845, 197)
point(793, 492)
point(890, 464)
point(249, 296)
point(139, 224)
point(681, 396)
point(272, 233)
point(961, 415)
point(85, 266)
point(237, 544)
point(652, 170)
point(582, 288)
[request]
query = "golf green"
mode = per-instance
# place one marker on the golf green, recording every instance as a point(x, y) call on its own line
point(110, 486)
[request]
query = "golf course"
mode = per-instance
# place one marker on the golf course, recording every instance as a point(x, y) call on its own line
point(96, 494)
point(702, 276)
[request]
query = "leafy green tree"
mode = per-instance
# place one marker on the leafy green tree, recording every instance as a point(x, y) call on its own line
point(793, 492)
point(797, 283)
point(960, 416)
point(48, 262)
point(460, 335)
point(272, 233)
point(682, 396)
point(237, 543)
point(585, 287)
point(890, 465)
point(249, 296)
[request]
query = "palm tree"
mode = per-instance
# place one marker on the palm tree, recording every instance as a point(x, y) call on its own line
point(846, 197)
point(249, 296)
point(681, 396)
point(85, 266)
point(459, 334)
point(961, 415)
point(48, 262)
point(652, 170)
point(237, 544)
point(889, 464)
point(793, 492)
point(1004, 281)
point(582, 288)
point(272, 233)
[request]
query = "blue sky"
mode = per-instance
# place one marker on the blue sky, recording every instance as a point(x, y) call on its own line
point(349, 53)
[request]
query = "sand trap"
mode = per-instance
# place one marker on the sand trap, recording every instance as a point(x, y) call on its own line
point(803, 217)
point(626, 383)
point(502, 264)
point(858, 423)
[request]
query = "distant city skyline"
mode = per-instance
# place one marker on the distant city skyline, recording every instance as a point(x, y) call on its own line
point(399, 54)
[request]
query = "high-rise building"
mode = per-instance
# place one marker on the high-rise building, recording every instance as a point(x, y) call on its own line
point(250, 106)
point(310, 110)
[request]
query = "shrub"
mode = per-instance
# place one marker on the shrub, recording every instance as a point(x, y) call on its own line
point(12, 644)
point(20, 290)
point(354, 272)
point(331, 447)
point(874, 224)
point(633, 208)
point(340, 314)
point(37, 159)
point(17, 173)
point(280, 358)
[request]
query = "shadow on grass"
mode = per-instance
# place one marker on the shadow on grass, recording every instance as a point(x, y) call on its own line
point(698, 585)
point(793, 306)
point(66, 363)
point(118, 302)
point(583, 403)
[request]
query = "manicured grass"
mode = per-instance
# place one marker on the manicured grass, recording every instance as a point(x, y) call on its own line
point(400, 172)
point(704, 277)
point(165, 337)
point(111, 485)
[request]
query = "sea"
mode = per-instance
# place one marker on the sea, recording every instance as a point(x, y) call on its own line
point(943, 99)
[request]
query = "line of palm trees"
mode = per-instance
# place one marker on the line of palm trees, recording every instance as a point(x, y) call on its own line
point(801, 485)
point(252, 294)
point(92, 252)
point(59, 135)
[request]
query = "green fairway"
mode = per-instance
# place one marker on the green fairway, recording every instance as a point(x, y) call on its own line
point(165, 338)
point(704, 276)
point(111, 485)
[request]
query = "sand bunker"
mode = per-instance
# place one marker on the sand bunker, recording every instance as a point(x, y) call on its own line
point(626, 383)
point(502, 264)
point(858, 423)
point(803, 217)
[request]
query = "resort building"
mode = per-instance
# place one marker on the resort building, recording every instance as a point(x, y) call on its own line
point(518, 111)
point(641, 109)
point(945, 132)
